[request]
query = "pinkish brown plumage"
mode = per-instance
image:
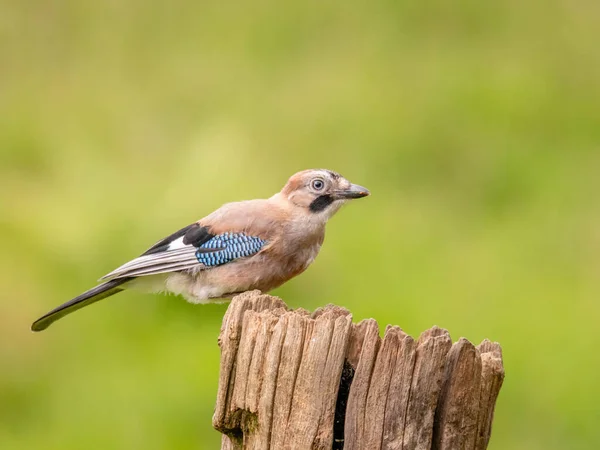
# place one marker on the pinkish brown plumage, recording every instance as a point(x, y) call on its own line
point(253, 244)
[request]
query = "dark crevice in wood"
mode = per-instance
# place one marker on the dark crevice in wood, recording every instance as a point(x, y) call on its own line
point(341, 404)
point(235, 434)
point(242, 422)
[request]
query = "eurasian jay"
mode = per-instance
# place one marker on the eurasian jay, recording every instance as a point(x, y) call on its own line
point(242, 246)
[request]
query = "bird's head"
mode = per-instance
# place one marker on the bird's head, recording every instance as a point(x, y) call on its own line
point(321, 192)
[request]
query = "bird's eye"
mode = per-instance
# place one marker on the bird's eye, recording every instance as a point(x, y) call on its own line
point(317, 184)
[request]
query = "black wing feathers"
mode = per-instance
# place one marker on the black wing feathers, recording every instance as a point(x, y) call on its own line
point(197, 236)
point(193, 234)
point(163, 244)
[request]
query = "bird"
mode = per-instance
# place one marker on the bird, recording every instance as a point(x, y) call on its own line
point(247, 245)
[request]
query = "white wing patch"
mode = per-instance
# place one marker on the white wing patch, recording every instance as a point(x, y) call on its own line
point(176, 244)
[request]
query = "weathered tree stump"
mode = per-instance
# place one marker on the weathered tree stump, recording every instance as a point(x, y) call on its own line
point(295, 380)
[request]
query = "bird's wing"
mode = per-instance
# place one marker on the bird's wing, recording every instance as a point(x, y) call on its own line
point(191, 248)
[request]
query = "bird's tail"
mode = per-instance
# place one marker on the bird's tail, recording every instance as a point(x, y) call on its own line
point(87, 298)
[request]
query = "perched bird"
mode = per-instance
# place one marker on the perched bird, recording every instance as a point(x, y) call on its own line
point(253, 244)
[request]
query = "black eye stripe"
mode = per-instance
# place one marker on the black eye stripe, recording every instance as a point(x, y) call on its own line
point(320, 203)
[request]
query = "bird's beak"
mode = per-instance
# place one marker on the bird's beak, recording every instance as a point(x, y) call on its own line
point(354, 191)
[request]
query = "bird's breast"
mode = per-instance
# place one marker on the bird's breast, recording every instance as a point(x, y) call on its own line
point(293, 254)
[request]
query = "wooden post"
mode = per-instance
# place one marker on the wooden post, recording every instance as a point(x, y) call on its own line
point(296, 380)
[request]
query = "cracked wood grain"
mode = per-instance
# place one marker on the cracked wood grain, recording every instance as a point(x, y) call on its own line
point(458, 405)
point(295, 380)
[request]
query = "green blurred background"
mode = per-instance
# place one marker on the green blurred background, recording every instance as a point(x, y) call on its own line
point(476, 125)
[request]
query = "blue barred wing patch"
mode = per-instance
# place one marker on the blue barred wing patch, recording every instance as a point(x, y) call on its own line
point(231, 246)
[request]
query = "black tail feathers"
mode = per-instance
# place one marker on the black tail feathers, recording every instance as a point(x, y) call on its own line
point(87, 298)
